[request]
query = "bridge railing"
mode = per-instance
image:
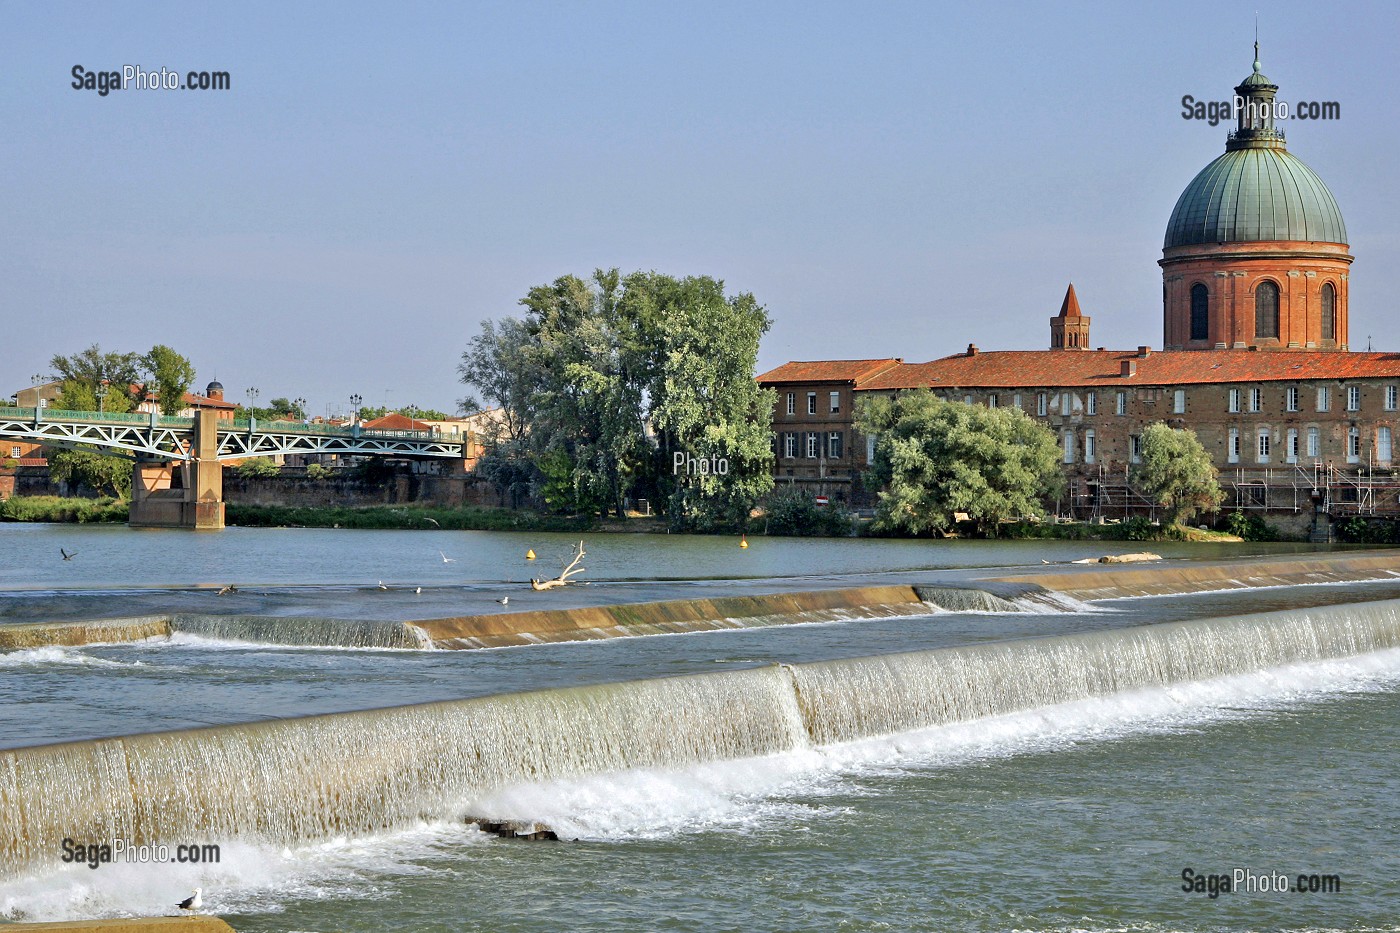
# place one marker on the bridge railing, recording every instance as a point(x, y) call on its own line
point(332, 430)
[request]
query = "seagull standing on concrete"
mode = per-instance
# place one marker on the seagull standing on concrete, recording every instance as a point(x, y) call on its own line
point(193, 902)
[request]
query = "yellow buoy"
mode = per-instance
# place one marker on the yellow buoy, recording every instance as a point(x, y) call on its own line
point(530, 554)
point(743, 541)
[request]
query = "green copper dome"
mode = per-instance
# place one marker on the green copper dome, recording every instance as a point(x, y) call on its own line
point(1252, 195)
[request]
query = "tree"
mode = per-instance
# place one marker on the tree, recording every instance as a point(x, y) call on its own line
point(103, 374)
point(257, 468)
point(103, 474)
point(171, 376)
point(1177, 472)
point(935, 458)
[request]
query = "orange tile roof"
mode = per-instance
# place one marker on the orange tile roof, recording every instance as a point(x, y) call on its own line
point(828, 371)
point(1091, 368)
point(1070, 308)
point(394, 421)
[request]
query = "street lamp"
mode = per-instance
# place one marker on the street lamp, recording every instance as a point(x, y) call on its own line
point(355, 401)
point(299, 407)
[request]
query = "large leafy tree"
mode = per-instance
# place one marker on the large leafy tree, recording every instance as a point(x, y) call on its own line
point(602, 380)
point(92, 376)
point(1177, 472)
point(934, 458)
point(171, 376)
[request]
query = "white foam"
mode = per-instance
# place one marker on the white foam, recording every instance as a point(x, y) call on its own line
point(52, 655)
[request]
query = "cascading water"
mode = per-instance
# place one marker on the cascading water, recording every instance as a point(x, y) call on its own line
point(277, 630)
point(355, 773)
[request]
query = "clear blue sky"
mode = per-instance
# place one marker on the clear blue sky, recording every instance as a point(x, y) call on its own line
point(888, 179)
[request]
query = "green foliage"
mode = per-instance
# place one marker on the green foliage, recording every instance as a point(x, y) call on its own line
point(257, 468)
point(171, 376)
point(408, 411)
point(1177, 472)
point(94, 370)
point(792, 511)
point(1359, 530)
point(106, 475)
point(317, 471)
point(1132, 529)
point(602, 381)
point(1250, 527)
point(56, 509)
point(934, 458)
point(409, 517)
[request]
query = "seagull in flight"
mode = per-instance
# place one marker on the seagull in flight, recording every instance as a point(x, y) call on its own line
point(446, 559)
point(66, 555)
point(431, 521)
point(193, 902)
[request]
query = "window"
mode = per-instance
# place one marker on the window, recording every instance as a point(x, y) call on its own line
point(1353, 398)
point(967, 399)
point(1290, 398)
point(1041, 403)
point(835, 445)
point(992, 400)
point(1067, 438)
point(1066, 403)
point(792, 403)
point(835, 403)
point(1090, 447)
point(1135, 448)
point(1120, 403)
point(15, 452)
point(1233, 451)
point(1383, 444)
point(1200, 313)
point(1266, 310)
point(1264, 442)
point(1016, 400)
point(789, 445)
point(1179, 402)
point(811, 403)
point(1234, 400)
point(1353, 445)
point(1392, 395)
point(812, 438)
point(1324, 398)
point(1314, 443)
point(1329, 312)
point(1091, 403)
point(1291, 450)
point(1256, 399)
point(870, 448)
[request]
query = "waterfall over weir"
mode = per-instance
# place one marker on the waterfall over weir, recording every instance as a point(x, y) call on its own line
point(293, 780)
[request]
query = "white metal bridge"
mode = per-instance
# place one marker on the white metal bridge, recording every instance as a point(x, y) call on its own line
point(156, 436)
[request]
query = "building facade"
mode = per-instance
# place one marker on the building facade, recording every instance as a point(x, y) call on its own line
point(1255, 268)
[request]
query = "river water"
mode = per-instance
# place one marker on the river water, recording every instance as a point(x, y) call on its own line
point(1074, 815)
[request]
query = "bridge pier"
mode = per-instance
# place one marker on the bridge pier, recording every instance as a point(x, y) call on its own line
point(197, 501)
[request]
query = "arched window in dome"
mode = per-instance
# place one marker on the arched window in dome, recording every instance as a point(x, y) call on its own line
point(1329, 312)
point(1266, 310)
point(1200, 312)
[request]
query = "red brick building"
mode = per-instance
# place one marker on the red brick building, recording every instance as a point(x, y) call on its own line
point(1255, 268)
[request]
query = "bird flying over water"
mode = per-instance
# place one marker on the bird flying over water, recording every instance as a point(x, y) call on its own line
point(446, 559)
point(431, 521)
point(66, 555)
point(228, 589)
point(193, 902)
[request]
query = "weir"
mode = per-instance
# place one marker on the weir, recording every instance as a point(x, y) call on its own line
point(297, 780)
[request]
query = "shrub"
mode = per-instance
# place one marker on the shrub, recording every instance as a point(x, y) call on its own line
point(317, 471)
point(794, 512)
point(1250, 527)
point(256, 468)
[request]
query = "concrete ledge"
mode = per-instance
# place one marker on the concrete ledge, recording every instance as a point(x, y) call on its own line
point(45, 634)
point(134, 925)
point(1100, 582)
point(670, 616)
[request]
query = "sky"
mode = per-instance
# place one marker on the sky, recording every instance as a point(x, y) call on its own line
point(887, 179)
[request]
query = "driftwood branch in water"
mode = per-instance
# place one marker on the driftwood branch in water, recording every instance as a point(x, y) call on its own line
point(563, 578)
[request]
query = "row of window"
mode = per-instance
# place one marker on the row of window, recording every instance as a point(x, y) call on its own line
point(1266, 302)
point(1255, 398)
point(834, 402)
point(812, 445)
point(1293, 446)
point(1263, 450)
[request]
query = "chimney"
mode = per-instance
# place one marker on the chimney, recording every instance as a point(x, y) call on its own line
point(1128, 368)
point(1144, 352)
point(972, 349)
